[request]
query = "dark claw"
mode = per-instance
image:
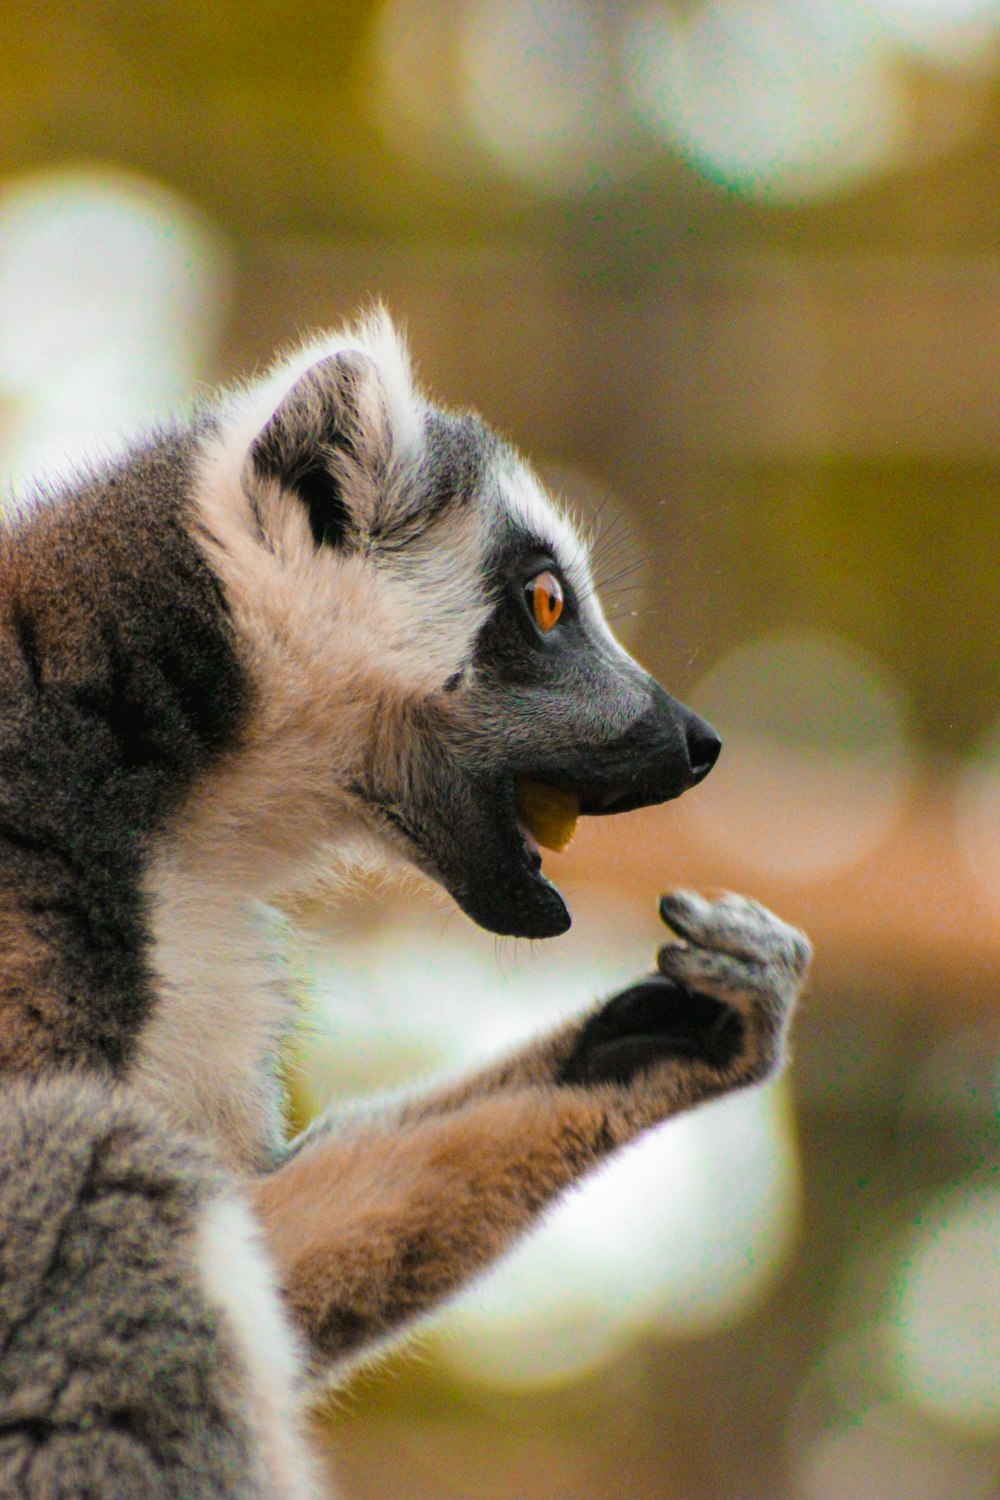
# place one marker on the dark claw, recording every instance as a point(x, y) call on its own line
point(654, 1020)
point(668, 914)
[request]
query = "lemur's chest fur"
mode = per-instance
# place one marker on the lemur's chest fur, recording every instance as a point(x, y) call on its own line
point(207, 1054)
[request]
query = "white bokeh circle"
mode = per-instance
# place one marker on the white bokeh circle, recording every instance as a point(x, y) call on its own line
point(815, 763)
point(113, 290)
point(942, 1324)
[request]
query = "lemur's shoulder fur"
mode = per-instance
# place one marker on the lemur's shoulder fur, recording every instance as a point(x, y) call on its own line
point(295, 627)
point(104, 726)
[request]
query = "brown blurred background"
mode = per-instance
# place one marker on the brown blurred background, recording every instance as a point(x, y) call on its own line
point(730, 273)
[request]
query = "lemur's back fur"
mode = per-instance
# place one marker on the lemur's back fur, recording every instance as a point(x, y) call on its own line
point(296, 626)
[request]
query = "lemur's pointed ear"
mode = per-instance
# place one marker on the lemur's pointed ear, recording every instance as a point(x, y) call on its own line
point(328, 439)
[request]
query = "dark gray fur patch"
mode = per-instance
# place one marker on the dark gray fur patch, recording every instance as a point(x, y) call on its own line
point(119, 685)
point(116, 1377)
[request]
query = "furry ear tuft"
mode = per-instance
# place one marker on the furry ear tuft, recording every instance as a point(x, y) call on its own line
point(332, 421)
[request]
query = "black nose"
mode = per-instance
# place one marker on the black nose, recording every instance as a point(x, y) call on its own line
point(703, 746)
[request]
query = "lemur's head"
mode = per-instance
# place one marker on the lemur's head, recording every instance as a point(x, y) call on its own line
point(424, 630)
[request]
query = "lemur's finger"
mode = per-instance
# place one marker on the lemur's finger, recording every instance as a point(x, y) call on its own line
point(723, 975)
point(728, 923)
point(734, 925)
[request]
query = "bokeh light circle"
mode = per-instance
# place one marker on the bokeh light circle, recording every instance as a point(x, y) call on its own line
point(112, 292)
point(815, 763)
point(540, 91)
point(776, 99)
point(943, 1320)
point(479, 89)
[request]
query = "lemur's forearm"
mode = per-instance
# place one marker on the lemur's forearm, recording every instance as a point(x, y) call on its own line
point(373, 1225)
point(537, 1062)
point(373, 1231)
point(370, 1232)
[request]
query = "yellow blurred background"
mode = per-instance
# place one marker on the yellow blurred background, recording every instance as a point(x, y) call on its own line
point(729, 270)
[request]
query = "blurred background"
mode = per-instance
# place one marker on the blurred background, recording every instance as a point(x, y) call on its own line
point(730, 273)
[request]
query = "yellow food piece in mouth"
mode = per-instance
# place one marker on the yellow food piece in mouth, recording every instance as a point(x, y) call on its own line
point(548, 813)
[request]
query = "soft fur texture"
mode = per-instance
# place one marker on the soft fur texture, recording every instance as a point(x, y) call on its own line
point(294, 627)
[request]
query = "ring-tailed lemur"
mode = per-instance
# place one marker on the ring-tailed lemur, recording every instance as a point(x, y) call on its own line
point(320, 614)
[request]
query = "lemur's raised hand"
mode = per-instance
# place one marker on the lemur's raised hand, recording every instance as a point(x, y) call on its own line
point(450, 1179)
point(318, 617)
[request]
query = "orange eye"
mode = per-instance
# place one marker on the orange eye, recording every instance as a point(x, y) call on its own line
point(545, 596)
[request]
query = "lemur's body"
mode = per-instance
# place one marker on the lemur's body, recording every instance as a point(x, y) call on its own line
point(294, 625)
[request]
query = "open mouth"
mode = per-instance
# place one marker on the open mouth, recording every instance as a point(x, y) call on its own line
point(546, 816)
point(484, 838)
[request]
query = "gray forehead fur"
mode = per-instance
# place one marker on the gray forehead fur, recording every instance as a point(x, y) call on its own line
point(464, 463)
point(452, 473)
